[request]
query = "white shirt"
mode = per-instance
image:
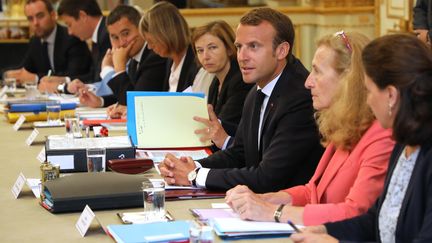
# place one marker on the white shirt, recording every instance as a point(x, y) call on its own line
point(175, 75)
point(95, 32)
point(267, 90)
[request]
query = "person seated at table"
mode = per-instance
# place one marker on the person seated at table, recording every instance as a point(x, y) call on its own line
point(350, 174)
point(135, 66)
point(51, 50)
point(277, 142)
point(167, 34)
point(215, 50)
point(398, 79)
point(84, 20)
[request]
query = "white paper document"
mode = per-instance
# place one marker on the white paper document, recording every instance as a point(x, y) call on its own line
point(167, 121)
point(159, 155)
point(62, 142)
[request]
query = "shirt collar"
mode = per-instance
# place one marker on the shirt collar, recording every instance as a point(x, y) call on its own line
point(51, 38)
point(95, 32)
point(138, 56)
point(268, 89)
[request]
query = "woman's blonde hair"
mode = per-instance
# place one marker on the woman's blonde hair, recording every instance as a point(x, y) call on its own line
point(164, 21)
point(221, 30)
point(348, 117)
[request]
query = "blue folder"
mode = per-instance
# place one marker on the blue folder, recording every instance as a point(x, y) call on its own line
point(37, 107)
point(151, 232)
point(131, 119)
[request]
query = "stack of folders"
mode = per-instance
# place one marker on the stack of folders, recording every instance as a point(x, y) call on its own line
point(227, 224)
point(34, 110)
point(175, 231)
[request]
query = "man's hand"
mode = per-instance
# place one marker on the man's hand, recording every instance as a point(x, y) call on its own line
point(249, 205)
point(21, 75)
point(117, 111)
point(107, 61)
point(120, 56)
point(88, 98)
point(74, 86)
point(214, 130)
point(50, 84)
point(175, 171)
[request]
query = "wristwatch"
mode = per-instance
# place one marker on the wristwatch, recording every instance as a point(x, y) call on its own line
point(192, 176)
point(278, 213)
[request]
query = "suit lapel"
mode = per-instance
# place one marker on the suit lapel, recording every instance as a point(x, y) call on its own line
point(57, 47)
point(184, 73)
point(337, 160)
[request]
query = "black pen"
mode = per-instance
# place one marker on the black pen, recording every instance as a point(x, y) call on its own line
point(294, 227)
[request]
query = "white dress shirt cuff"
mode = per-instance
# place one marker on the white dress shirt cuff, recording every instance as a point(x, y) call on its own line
point(225, 144)
point(105, 71)
point(202, 175)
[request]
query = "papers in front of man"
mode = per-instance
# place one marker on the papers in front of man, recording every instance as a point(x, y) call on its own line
point(151, 232)
point(236, 227)
point(159, 155)
point(165, 119)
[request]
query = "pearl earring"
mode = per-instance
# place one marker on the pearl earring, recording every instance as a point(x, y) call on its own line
point(390, 106)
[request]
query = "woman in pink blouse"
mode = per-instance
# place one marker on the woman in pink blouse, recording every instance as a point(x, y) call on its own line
point(350, 174)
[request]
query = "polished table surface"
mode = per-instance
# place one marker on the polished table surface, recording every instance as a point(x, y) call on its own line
point(23, 220)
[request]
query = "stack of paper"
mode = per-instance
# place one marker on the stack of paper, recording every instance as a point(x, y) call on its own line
point(152, 232)
point(236, 227)
point(165, 119)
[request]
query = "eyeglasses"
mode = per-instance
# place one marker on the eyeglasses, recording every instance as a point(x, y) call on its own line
point(344, 39)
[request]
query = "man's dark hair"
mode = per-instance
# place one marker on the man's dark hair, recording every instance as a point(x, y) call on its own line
point(47, 3)
point(73, 7)
point(124, 11)
point(280, 22)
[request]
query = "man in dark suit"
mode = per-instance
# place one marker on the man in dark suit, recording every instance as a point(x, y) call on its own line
point(84, 20)
point(135, 66)
point(277, 142)
point(51, 49)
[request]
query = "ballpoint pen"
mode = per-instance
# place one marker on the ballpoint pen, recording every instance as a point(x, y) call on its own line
point(294, 226)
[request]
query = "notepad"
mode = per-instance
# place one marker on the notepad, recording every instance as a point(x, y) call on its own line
point(234, 227)
point(152, 232)
point(165, 119)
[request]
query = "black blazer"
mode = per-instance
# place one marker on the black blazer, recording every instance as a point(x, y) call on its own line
point(228, 103)
point(187, 73)
point(149, 77)
point(415, 219)
point(71, 56)
point(290, 141)
point(98, 53)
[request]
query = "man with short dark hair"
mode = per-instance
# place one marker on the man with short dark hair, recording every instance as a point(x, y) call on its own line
point(51, 49)
point(277, 143)
point(135, 66)
point(84, 20)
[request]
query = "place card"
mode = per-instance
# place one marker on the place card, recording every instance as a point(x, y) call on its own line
point(19, 123)
point(19, 184)
point(84, 221)
point(32, 137)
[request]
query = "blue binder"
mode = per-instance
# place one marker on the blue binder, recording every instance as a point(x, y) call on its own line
point(151, 232)
point(37, 107)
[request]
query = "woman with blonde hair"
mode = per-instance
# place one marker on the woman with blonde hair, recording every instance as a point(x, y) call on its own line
point(350, 174)
point(215, 50)
point(167, 34)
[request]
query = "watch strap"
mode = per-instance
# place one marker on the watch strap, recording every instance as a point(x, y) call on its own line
point(278, 213)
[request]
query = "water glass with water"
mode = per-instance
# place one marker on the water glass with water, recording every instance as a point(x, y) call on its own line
point(96, 159)
point(154, 200)
point(10, 83)
point(31, 89)
point(53, 109)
